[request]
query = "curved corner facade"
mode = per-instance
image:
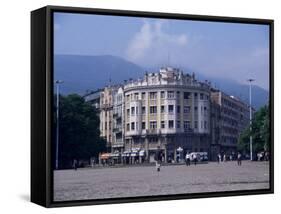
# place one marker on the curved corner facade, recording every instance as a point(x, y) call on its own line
point(170, 110)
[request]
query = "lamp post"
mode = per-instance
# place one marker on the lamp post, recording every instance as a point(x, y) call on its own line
point(250, 99)
point(58, 82)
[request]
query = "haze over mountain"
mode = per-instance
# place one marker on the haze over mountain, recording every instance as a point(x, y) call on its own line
point(82, 73)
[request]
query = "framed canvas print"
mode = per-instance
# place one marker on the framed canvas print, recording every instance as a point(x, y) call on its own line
point(134, 106)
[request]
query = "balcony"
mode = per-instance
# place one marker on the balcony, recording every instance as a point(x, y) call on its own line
point(188, 130)
point(153, 131)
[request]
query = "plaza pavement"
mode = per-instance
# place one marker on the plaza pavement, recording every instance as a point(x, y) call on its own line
point(98, 183)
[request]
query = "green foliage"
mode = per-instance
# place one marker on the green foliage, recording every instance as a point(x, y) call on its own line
point(78, 130)
point(260, 132)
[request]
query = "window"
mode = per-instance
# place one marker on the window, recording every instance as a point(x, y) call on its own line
point(143, 125)
point(171, 108)
point(196, 108)
point(128, 126)
point(205, 124)
point(133, 111)
point(186, 95)
point(153, 140)
point(178, 94)
point(153, 95)
point(201, 96)
point(186, 124)
point(153, 109)
point(186, 109)
point(162, 109)
point(196, 124)
point(171, 94)
point(143, 109)
point(178, 109)
point(143, 95)
point(137, 110)
point(171, 124)
point(162, 124)
point(153, 125)
point(133, 126)
point(162, 94)
point(105, 125)
point(195, 95)
point(136, 96)
point(128, 112)
point(178, 124)
point(127, 98)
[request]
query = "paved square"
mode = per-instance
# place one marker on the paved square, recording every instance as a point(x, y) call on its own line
point(133, 181)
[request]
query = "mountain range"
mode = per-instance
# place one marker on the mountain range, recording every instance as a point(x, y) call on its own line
point(84, 73)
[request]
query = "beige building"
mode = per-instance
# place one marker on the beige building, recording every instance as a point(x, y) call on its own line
point(106, 114)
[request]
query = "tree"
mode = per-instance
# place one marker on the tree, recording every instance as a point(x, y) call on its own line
point(260, 132)
point(79, 134)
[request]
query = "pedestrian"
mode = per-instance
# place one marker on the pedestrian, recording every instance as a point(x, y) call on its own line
point(218, 158)
point(230, 157)
point(187, 159)
point(195, 159)
point(239, 159)
point(74, 164)
point(157, 158)
point(224, 158)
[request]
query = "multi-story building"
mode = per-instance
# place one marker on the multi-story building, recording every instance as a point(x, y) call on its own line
point(170, 110)
point(93, 97)
point(106, 114)
point(118, 121)
point(230, 116)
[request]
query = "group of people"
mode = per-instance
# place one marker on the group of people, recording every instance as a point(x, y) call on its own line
point(224, 158)
point(190, 157)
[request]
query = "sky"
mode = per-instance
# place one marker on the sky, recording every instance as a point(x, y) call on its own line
point(215, 49)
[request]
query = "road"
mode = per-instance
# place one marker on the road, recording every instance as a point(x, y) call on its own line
point(146, 181)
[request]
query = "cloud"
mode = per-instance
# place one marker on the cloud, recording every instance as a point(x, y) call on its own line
point(152, 40)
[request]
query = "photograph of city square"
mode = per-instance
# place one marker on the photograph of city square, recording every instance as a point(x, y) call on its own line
point(151, 107)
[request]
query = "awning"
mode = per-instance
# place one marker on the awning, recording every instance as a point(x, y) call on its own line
point(114, 155)
point(141, 153)
point(126, 154)
point(105, 156)
point(179, 149)
point(134, 154)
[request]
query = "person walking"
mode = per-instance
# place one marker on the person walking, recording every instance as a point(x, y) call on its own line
point(75, 164)
point(158, 158)
point(195, 159)
point(218, 158)
point(187, 159)
point(239, 159)
point(224, 158)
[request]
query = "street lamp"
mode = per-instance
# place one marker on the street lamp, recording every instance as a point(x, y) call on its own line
point(57, 82)
point(250, 98)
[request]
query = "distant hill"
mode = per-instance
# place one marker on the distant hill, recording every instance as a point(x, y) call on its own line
point(259, 95)
point(82, 73)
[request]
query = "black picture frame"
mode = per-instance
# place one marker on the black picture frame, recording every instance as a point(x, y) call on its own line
point(41, 103)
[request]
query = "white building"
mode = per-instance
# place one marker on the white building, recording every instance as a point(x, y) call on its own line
point(168, 109)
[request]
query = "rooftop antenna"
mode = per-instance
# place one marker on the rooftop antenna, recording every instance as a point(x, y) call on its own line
point(109, 82)
point(168, 58)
